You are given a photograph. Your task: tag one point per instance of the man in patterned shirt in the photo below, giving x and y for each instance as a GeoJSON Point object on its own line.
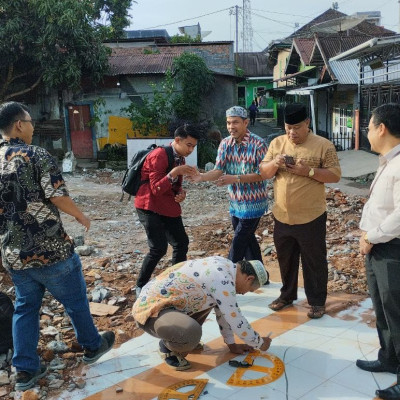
{"type": "Point", "coordinates": [237, 166]}
{"type": "Point", "coordinates": [35, 249]}
{"type": "Point", "coordinates": [174, 305]}
{"type": "Point", "coordinates": [301, 163]}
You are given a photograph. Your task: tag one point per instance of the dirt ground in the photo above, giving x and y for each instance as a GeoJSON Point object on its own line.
{"type": "Point", "coordinates": [118, 245]}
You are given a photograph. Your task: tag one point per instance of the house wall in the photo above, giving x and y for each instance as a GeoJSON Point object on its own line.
{"type": "Point", "coordinates": [222, 97]}
{"type": "Point", "coordinates": [114, 126]}
{"type": "Point", "coordinates": [279, 68]}
{"type": "Point", "coordinates": [251, 88]}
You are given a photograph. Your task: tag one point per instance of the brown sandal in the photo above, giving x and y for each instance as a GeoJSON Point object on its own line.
{"type": "Point", "coordinates": [316, 312]}
{"type": "Point", "coordinates": [279, 304]}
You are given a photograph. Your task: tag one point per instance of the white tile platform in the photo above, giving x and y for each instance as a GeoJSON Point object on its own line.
{"type": "Point", "coordinates": [319, 357]}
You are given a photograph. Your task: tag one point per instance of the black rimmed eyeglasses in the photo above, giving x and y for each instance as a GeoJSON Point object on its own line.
{"type": "Point", "coordinates": [32, 121]}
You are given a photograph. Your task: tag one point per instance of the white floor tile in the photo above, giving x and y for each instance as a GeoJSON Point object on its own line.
{"type": "Point", "coordinates": [296, 382]}
{"type": "Point", "coordinates": [332, 391]}
{"type": "Point", "coordinates": [362, 381]}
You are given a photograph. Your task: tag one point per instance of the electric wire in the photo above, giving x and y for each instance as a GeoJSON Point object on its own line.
{"type": "Point", "coordinates": [189, 19]}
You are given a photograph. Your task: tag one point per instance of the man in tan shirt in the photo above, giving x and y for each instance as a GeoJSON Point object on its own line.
{"type": "Point", "coordinates": [301, 163]}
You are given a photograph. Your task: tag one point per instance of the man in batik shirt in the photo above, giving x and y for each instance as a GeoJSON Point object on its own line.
{"type": "Point", "coordinates": [35, 249]}
{"type": "Point", "coordinates": [174, 305]}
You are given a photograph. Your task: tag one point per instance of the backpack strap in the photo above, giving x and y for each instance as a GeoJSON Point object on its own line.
{"type": "Point", "coordinates": [171, 158]}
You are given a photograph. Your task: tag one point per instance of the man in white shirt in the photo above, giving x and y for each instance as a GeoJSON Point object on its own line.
{"type": "Point", "coordinates": [380, 243]}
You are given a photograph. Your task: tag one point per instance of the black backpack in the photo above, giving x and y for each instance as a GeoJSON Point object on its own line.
{"type": "Point", "coordinates": [131, 181]}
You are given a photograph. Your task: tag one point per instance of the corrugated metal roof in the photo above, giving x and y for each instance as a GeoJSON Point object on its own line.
{"type": "Point", "coordinates": [133, 60]}
{"type": "Point", "coordinates": [346, 72]}
{"type": "Point", "coordinates": [254, 64]}
{"type": "Point", "coordinates": [141, 63]}
{"type": "Point", "coordinates": [310, 89]}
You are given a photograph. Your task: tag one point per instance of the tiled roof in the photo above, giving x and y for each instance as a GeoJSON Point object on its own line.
{"type": "Point", "coordinates": [304, 47]}
{"type": "Point", "coordinates": [331, 46]}
{"type": "Point", "coordinates": [364, 28]}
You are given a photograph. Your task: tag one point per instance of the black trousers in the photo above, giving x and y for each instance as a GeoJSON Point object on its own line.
{"type": "Point", "coordinates": [383, 275]}
{"type": "Point", "coordinates": [160, 231]}
{"type": "Point", "coordinates": [244, 244]}
{"type": "Point", "coordinates": [308, 242]}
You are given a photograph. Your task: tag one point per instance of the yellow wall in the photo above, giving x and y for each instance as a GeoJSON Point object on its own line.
{"type": "Point", "coordinates": [279, 68]}
{"type": "Point", "coordinates": [120, 127]}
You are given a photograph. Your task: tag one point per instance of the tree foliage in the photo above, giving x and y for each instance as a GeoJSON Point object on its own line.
{"type": "Point", "coordinates": [54, 42]}
{"type": "Point", "coordinates": [176, 39]}
{"type": "Point", "coordinates": [150, 112]}
{"type": "Point", "coordinates": [196, 81]}
{"type": "Point", "coordinates": [179, 97]}
{"type": "Point", "coordinates": [116, 15]}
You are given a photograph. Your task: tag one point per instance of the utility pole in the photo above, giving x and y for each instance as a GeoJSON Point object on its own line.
{"type": "Point", "coordinates": [247, 27]}
{"type": "Point", "coordinates": [235, 11]}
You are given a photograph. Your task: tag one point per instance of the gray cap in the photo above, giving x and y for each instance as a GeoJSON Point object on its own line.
{"type": "Point", "coordinates": [236, 111]}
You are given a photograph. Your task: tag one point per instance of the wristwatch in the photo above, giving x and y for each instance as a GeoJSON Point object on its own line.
{"type": "Point", "coordinates": [366, 239]}
{"type": "Point", "coordinates": [311, 172]}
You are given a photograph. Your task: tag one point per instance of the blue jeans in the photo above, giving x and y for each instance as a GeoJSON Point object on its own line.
{"type": "Point", "coordinates": [65, 281]}
{"type": "Point", "coordinates": [244, 244]}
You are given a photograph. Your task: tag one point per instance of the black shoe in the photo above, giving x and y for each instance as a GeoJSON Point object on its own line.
{"type": "Point", "coordinates": [174, 360]}
{"type": "Point", "coordinates": [391, 393]}
{"type": "Point", "coordinates": [24, 380]}
{"type": "Point", "coordinates": [107, 341]}
{"type": "Point", "coordinates": [375, 366]}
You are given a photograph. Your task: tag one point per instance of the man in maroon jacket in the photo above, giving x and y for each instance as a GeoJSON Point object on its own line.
{"type": "Point", "coordinates": [158, 202]}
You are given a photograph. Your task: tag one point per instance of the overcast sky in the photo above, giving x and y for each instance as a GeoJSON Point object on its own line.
{"type": "Point", "coordinates": [270, 20]}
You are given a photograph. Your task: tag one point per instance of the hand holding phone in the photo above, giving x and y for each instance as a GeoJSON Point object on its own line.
{"type": "Point", "coordinates": [289, 160]}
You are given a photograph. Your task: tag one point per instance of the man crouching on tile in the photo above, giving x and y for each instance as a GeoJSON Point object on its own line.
{"type": "Point", "coordinates": [174, 305]}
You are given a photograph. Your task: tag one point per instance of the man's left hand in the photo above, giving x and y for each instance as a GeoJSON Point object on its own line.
{"type": "Point", "coordinates": [300, 168]}
{"type": "Point", "coordinates": [180, 196]}
{"type": "Point", "coordinates": [239, 348]}
{"type": "Point", "coordinates": [365, 247]}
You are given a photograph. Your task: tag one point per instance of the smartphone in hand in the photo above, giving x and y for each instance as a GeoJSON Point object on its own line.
{"type": "Point", "coordinates": [289, 160]}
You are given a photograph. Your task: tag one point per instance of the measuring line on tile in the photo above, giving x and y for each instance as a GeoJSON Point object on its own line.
{"type": "Point", "coordinates": [271, 373]}
{"type": "Point", "coordinates": [172, 392]}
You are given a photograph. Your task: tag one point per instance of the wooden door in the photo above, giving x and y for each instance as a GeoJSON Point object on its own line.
{"type": "Point", "coordinates": [80, 131]}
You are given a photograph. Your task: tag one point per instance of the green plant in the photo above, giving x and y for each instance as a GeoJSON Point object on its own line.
{"type": "Point", "coordinates": [206, 152]}
{"type": "Point", "coordinates": [196, 81]}
{"type": "Point", "coordinates": [151, 51]}
{"type": "Point", "coordinates": [98, 110]}
{"type": "Point", "coordinates": [239, 71]}
{"type": "Point", "coordinates": [176, 39]}
{"type": "Point", "coordinates": [116, 152]}
{"type": "Point", "coordinates": [151, 112]}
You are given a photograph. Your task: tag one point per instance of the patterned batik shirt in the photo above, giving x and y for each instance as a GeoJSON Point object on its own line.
{"type": "Point", "coordinates": [31, 231]}
{"type": "Point", "coordinates": [194, 286]}
{"type": "Point", "coordinates": [247, 200]}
